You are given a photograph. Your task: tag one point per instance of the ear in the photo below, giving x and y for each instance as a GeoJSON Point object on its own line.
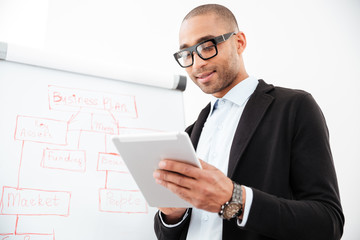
{"type": "Point", "coordinates": [240, 42]}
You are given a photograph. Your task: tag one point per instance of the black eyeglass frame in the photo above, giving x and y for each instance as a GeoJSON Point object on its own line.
{"type": "Point", "coordinates": [192, 49]}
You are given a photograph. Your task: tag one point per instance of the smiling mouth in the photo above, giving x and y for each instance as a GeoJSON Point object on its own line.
{"type": "Point", "coordinates": [205, 77]}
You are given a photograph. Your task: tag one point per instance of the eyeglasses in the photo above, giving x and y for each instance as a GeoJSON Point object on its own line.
{"type": "Point", "coordinates": [205, 50]}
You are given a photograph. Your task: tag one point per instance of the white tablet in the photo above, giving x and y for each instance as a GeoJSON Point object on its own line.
{"type": "Point", "coordinates": [142, 153]}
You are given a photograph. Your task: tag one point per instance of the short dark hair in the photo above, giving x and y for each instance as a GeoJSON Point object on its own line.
{"type": "Point", "coordinates": [217, 9]}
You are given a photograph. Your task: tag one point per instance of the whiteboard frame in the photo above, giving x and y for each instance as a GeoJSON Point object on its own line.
{"type": "Point", "coordinates": [91, 67]}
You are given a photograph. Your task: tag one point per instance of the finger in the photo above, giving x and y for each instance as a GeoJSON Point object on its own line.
{"type": "Point", "coordinates": [182, 192]}
{"type": "Point", "coordinates": [174, 178]}
{"type": "Point", "coordinates": [180, 167]}
{"type": "Point", "coordinates": [206, 165]}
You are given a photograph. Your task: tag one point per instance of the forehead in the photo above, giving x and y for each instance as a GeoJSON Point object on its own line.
{"type": "Point", "coordinates": [195, 28]}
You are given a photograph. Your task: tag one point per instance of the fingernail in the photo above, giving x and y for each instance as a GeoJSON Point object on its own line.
{"type": "Point", "coordinates": [156, 175]}
{"type": "Point", "coordinates": [162, 164]}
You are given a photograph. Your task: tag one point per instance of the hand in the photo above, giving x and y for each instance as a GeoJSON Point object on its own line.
{"type": "Point", "coordinates": [172, 215]}
{"type": "Point", "coordinates": [207, 188]}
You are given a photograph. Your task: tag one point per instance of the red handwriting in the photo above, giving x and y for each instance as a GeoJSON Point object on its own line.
{"type": "Point", "coordinates": [59, 98]}
{"type": "Point", "coordinates": [115, 104]}
{"type": "Point", "coordinates": [34, 202]}
{"type": "Point", "coordinates": [72, 160]}
{"type": "Point", "coordinates": [111, 162]}
{"type": "Point", "coordinates": [70, 99]}
{"type": "Point", "coordinates": [122, 201]}
{"type": "Point", "coordinates": [41, 130]}
{"type": "Point", "coordinates": [91, 112]}
{"type": "Point", "coordinates": [104, 124]}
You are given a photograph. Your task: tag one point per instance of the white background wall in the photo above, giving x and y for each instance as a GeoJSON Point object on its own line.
{"type": "Point", "coordinates": [311, 45]}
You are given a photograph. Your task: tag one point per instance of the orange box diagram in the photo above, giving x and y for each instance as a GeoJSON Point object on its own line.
{"type": "Point", "coordinates": [41, 130]}
{"type": "Point", "coordinates": [104, 124]}
{"type": "Point", "coordinates": [71, 160]}
{"type": "Point", "coordinates": [65, 165]}
{"type": "Point", "coordinates": [122, 201]}
{"type": "Point", "coordinates": [24, 201]}
{"type": "Point", "coordinates": [111, 162]}
{"type": "Point", "coordinates": [70, 99]}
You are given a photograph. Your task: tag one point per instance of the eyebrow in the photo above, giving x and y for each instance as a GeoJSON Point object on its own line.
{"type": "Point", "coordinates": [204, 38]}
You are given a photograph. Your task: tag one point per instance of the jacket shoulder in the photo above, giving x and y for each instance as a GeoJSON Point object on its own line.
{"type": "Point", "coordinates": [283, 96]}
{"type": "Point", "coordinates": [277, 91]}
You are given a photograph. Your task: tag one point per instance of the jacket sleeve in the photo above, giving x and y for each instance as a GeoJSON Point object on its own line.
{"type": "Point", "coordinates": [175, 233]}
{"type": "Point", "coordinates": [315, 210]}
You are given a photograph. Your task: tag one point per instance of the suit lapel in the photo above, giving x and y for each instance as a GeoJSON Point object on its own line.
{"type": "Point", "coordinates": [199, 124]}
{"type": "Point", "coordinates": [250, 119]}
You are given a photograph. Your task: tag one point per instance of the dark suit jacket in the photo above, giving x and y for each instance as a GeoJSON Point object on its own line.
{"type": "Point", "coordinates": [281, 150]}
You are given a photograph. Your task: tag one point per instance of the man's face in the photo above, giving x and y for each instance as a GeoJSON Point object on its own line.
{"type": "Point", "coordinates": [219, 74]}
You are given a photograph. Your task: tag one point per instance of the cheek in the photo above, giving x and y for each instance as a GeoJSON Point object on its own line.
{"type": "Point", "coordinates": [229, 69]}
{"type": "Point", "coordinates": [189, 72]}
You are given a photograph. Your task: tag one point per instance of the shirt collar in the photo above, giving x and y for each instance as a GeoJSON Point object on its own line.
{"type": "Point", "coordinates": [239, 94]}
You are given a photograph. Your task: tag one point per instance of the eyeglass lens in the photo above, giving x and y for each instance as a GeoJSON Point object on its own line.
{"type": "Point", "coordinates": [205, 50]}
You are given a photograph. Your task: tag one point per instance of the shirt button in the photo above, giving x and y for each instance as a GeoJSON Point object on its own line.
{"type": "Point", "coordinates": [220, 127]}
{"type": "Point", "coordinates": [222, 101]}
{"type": "Point", "coordinates": [205, 218]}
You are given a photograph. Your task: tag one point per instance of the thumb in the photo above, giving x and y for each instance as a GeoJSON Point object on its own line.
{"type": "Point", "coordinates": [206, 165]}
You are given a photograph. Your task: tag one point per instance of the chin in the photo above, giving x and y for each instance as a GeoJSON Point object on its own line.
{"type": "Point", "coordinates": [208, 90]}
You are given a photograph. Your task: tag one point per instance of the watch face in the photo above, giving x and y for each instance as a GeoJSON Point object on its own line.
{"type": "Point", "coordinates": [231, 210]}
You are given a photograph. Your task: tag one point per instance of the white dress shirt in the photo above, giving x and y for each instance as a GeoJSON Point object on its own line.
{"type": "Point", "coordinates": [214, 148]}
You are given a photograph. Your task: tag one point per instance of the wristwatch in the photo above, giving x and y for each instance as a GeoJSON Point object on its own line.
{"type": "Point", "coordinates": [234, 207]}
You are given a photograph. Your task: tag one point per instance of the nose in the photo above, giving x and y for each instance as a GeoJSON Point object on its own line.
{"type": "Point", "coordinates": [198, 61]}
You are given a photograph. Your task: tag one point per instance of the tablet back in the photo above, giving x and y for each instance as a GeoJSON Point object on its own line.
{"type": "Point", "coordinates": [142, 153]}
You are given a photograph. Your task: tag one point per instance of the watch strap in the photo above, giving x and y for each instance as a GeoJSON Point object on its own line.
{"type": "Point", "coordinates": [237, 193]}
{"type": "Point", "coordinates": [235, 198]}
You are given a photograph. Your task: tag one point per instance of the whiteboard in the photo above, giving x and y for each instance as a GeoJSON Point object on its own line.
{"type": "Point", "coordinates": [60, 176]}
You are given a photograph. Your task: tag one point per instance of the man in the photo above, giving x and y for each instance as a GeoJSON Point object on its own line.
{"type": "Point", "coordinates": [267, 166]}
